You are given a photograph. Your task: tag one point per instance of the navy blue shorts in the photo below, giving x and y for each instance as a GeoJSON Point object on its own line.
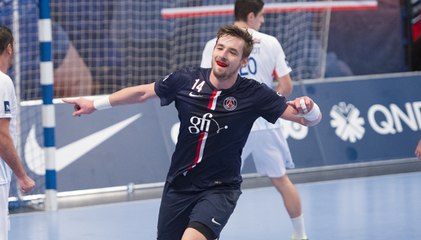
{"type": "Point", "coordinates": [183, 203]}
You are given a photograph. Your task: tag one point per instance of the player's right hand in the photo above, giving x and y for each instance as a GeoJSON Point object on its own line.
{"type": "Point", "coordinates": [81, 106]}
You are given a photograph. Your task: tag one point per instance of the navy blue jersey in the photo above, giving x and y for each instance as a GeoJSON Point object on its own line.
{"type": "Point", "coordinates": [214, 124]}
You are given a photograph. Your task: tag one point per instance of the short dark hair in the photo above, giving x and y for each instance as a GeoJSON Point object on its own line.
{"type": "Point", "coordinates": [6, 37]}
{"type": "Point", "coordinates": [243, 7]}
{"type": "Point", "coordinates": [232, 30]}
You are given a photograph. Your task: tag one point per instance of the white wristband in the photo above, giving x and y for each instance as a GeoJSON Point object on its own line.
{"type": "Point", "coordinates": [313, 114]}
{"type": "Point", "coordinates": [102, 103]}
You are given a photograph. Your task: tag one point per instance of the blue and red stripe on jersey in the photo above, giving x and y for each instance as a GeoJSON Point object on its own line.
{"type": "Point", "coordinates": [204, 135]}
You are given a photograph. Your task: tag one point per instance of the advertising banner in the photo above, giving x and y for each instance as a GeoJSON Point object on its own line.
{"type": "Point", "coordinates": [364, 120]}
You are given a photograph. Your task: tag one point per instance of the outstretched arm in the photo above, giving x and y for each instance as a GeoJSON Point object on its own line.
{"type": "Point", "coordinates": [129, 95]}
{"type": "Point", "coordinates": [303, 110]}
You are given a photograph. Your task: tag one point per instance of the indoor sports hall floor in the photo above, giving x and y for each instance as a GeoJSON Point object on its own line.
{"type": "Point", "coordinates": [386, 207]}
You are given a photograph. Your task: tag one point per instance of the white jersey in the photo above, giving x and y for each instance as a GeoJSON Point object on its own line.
{"type": "Point", "coordinates": [265, 62]}
{"type": "Point", "coordinates": [8, 108]}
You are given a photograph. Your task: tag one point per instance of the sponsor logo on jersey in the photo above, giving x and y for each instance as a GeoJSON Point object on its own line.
{"type": "Point", "coordinates": [215, 222]}
{"type": "Point", "coordinates": [203, 124]}
{"type": "Point", "coordinates": [7, 107]}
{"type": "Point", "coordinates": [191, 94]}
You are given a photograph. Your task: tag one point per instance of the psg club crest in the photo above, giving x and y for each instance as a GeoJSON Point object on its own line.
{"type": "Point", "coordinates": [230, 103]}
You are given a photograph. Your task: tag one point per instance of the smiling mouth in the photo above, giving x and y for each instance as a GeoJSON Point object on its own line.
{"type": "Point", "coordinates": [221, 64]}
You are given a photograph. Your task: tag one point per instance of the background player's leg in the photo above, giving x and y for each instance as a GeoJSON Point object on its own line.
{"type": "Point", "coordinates": [292, 204]}
{"type": "Point", "coordinates": [289, 194]}
{"type": "Point", "coordinates": [4, 212]}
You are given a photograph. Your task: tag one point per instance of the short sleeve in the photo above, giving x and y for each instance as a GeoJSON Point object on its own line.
{"type": "Point", "coordinates": [168, 87]}
{"type": "Point", "coordinates": [282, 67]}
{"type": "Point", "coordinates": [6, 98]}
{"type": "Point", "coordinates": [270, 105]}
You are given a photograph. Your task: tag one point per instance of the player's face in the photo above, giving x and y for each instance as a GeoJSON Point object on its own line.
{"type": "Point", "coordinates": [227, 57]}
{"type": "Point", "coordinates": [256, 21]}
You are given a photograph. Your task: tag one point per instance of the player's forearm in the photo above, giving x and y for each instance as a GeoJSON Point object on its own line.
{"type": "Point", "coordinates": [284, 85]}
{"type": "Point", "coordinates": [130, 95]}
{"type": "Point", "coordinates": [284, 90]}
{"type": "Point", "coordinates": [9, 155]}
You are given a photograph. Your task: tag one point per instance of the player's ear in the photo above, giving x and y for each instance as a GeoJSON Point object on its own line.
{"type": "Point", "coordinates": [250, 16]}
{"type": "Point", "coordinates": [244, 62]}
{"type": "Point", "coordinates": [10, 48]}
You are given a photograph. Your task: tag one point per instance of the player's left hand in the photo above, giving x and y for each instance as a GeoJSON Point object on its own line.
{"type": "Point", "coordinates": [302, 105]}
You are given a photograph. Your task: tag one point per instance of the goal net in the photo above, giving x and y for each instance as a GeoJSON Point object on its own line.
{"type": "Point", "coordinates": [124, 43]}
{"type": "Point", "coordinates": [102, 46]}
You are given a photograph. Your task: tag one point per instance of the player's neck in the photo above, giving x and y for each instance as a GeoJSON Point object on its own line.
{"type": "Point", "coordinates": [242, 24]}
{"type": "Point", "coordinates": [3, 66]}
{"type": "Point", "coordinates": [222, 83]}
{"type": "Point", "coordinates": [5, 62]}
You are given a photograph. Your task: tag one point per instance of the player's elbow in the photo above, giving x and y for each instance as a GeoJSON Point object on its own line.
{"type": "Point", "coordinates": [284, 89]}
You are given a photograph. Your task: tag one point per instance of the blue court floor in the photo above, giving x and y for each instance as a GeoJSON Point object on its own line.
{"type": "Point", "coordinates": [384, 207]}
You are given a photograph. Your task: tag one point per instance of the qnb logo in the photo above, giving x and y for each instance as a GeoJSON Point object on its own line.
{"type": "Point", "coordinates": [203, 124]}
{"type": "Point", "coordinates": [347, 121]}
{"type": "Point", "coordinates": [394, 119]}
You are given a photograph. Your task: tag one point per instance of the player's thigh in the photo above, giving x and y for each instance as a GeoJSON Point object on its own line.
{"type": "Point", "coordinates": [215, 208]}
{"type": "Point", "coordinates": [174, 213]}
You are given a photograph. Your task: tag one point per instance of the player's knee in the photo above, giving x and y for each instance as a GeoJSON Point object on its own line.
{"type": "Point", "coordinates": [281, 181]}
{"type": "Point", "coordinates": [203, 229]}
